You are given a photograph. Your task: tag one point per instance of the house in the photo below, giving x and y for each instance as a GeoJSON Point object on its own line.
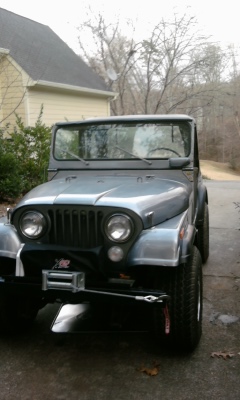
{"type": "Point", "coordinates": [37, 67]}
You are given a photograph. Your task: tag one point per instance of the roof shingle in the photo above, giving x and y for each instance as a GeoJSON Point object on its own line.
{"type": "Point", "coordinates": [43, 55]}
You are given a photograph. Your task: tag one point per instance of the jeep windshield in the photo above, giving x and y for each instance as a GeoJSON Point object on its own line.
{"type": "Point", "coordinates": [125, 140]}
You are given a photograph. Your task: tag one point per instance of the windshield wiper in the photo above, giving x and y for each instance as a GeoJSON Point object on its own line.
{"type": "Point", "coordinates": [75, 156]}
{"type": "Point", "coordinates": [134, 155]}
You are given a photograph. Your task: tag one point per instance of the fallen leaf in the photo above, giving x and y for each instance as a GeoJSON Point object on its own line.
{"type": "Point", "coordinates": [222, 354]}
{"type": "Point", "coordinates": [150, 371]}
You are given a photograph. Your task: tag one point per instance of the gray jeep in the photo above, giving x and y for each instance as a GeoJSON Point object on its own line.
{"type": "Point", "coordinates": [122, 222]}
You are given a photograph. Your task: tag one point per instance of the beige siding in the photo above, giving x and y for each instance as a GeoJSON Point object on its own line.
{"type": "Point", "coordinates": [60, 105]}
{"type": "Point", "coordinates": [11, 92]}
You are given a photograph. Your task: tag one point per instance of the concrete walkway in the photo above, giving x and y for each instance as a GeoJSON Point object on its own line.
{"type": "Point", "coordinates": [222, 271]}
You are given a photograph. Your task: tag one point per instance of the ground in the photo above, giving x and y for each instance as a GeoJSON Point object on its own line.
{"type": "Point", "coordinates": [218, 171]}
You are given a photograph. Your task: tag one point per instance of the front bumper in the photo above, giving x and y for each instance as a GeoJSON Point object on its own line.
{"type": "Point", "coordinates": [75, 282]}
{"type": "Point", "coordinates": [70, 287]}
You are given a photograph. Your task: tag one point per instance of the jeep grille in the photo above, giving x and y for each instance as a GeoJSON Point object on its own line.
{"type": "Point", "coordinates": [76, 227]}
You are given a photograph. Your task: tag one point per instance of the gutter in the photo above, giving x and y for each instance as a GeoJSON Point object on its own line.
{"type": "Point", "coordinates": [64, 86]}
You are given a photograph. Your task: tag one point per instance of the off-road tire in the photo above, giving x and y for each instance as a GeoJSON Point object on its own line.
{"type": "Point", "coordinates": [203, 235]}
{"type": "Point", "coordinates": [184, 285]}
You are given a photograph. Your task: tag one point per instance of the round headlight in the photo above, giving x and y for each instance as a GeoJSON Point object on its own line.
{"type": "Point", "coordinates": [119, 228]}
{"type": "Point", "coordinates": [33, 224]}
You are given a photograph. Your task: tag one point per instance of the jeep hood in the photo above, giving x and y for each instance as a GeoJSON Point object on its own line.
{"type": "Point", "coordinates": [163, 198]}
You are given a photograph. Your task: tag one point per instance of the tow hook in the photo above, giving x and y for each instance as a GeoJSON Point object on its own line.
{"type": "Point", "coordinates": [160, 299]}
{"type": "Point", "coordinates": [167, 319]}
{"type": "Point", "coordinates": [153, 299]}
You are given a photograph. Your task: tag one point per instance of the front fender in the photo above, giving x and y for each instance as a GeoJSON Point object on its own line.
{"type": "Point", "coordinates": [162, 245]}
{"type": "Point", "coordinates": [10, 242]}
{"type": "Point", "coordinates": [202, 199]}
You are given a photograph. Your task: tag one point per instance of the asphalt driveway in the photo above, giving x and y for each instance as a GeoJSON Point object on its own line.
{"type": "Point", "coordinates": [93, 366]}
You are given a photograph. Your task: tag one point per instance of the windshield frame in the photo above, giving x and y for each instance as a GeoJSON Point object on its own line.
{"type": "Point", "coordinates": [156, 128]}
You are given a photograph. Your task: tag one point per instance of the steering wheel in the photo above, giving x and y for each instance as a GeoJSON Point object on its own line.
{"type": "Point", "coordinates": [163, 148]}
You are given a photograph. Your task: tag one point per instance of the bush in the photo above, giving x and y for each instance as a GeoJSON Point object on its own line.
{"type": "Point", "coordinates": [10, 182]}
{"type": "Point", "coordinates": [24, 157]}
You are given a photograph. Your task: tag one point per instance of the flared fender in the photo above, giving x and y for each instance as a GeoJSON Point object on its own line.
{"type": "Point", "coordinates": [162, 245]}
{"type": "Point", "coordinates": [10, 242]}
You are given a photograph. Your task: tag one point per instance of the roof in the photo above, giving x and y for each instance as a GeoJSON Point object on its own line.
{"type": "Point", "coordinates": [43, 55]}
{"type": "Point", "coordinates": [131, 118]}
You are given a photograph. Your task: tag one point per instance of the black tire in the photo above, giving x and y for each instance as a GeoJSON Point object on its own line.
{"type": "Point", "coordinates": [184, 285]}
{"type": "Point", "coordinates": [203, 235]}
{"type": "Point", "coordinates": [17, 314]}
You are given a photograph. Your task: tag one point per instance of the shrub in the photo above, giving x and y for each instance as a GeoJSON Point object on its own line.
{"type": "Point", "coordinates": [10, 182]}
{"type": "Point", "coordinates": [23, 157]}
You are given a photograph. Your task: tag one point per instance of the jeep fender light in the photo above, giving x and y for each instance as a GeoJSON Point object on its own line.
{"type": "Point", "coordinates": [182, 233]}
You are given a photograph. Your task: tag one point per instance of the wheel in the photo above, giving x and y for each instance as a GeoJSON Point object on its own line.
{"type": "Point", "coordinates": [17, 314]}
{"type": "Point", "coordinates": [163, 148]}
{"type": "Point", "coordinates": [184, 285]}
{"type": "Point", "coordinates": [203, 235]}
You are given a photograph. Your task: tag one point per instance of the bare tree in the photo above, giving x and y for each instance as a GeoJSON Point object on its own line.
{"type": "Point", "coordinates": [175, 69]}
{"type": "Point", "coordinates": [163, 73]}
{"type": "Point", "coordinates": [176, 59]}
{"type": "Point", "coordinates": [219, 132]}
{"type": "Point", "coordinates": [113, 57]}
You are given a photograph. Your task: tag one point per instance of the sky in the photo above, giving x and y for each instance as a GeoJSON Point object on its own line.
{"type": "Point", "coordinates": [220, 20]}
